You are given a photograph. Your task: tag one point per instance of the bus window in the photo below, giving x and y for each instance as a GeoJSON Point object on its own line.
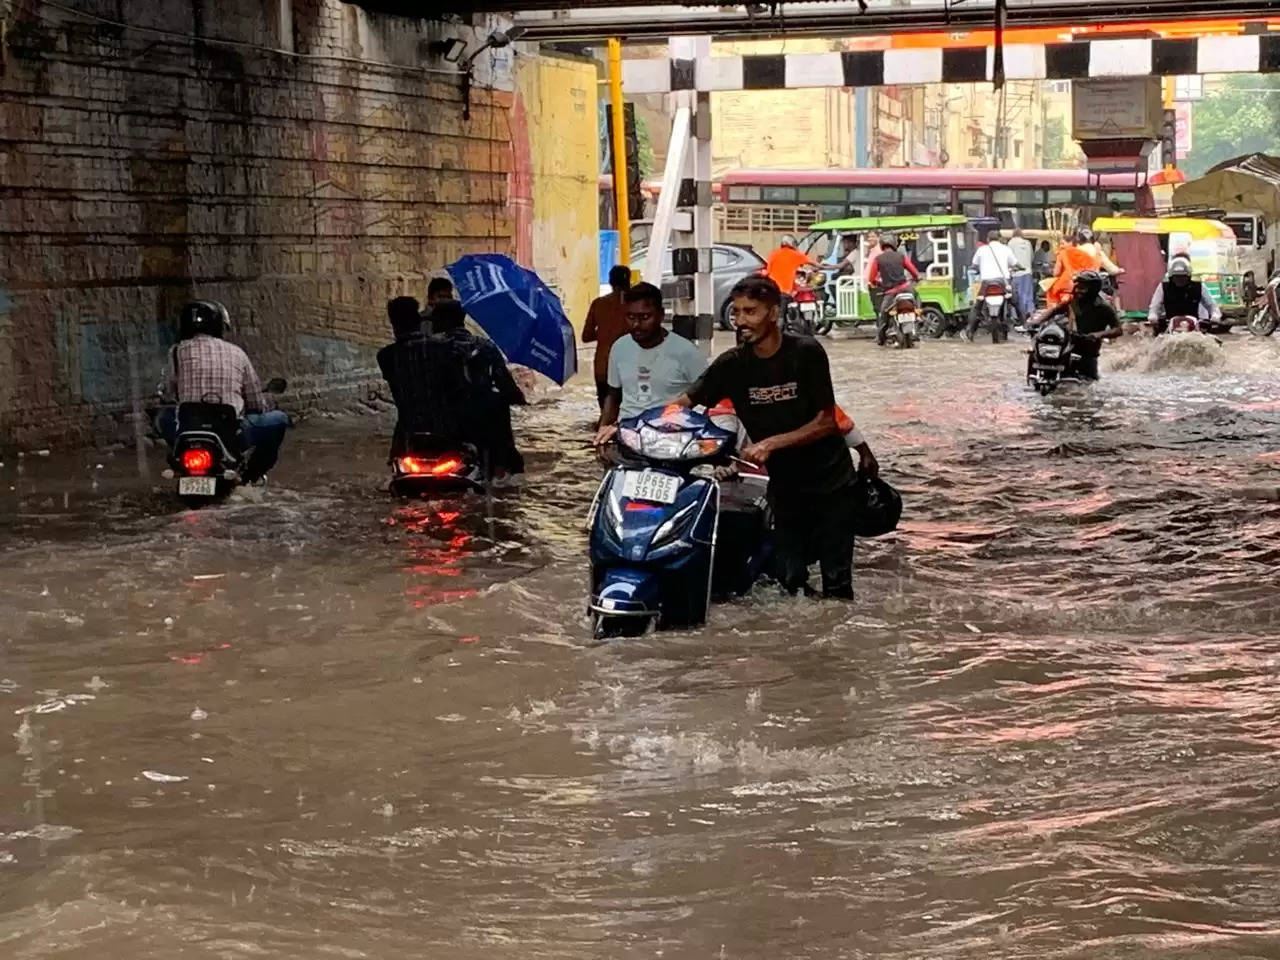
{"type": "Point", "coordinates": [744, 193]}
{"type": "Point", "coordinates": [873, 194]}
{"type": "Point", "coordinates": [925, 195]}
{"type": "Point", "coordinates": [1017, 198]}
{"type": "Point", "coordinates": [1118, 201]}
{"type": "Point", "coordinates": [971, 203]}
{"type": "Point", "coordinates": [778, 194]}
{"type": "Point", "coordinates": [1061, 198]}
{"type": "Point", "coordinates": [823, 195]}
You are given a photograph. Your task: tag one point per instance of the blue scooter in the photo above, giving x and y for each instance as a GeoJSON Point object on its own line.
{"type": "Point", "coordinates": [663, 538]}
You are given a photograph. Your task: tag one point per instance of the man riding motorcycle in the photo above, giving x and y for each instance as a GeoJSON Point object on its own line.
{"type": "Point", "coordinates": [450, 385]}
{"type": "Point", "coordinates": [887, 278]}
{"type": "Point", "coordinates": [1091, 320]}
{"type": "Point", "coordinates": [204, 368]}
{"type": "Point", "coordinates": [783, 263]}
{"type": "Point", "coordinates": [1181, 296]}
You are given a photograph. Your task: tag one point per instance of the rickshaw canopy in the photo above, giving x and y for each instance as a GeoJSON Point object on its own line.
{"type": "Point", "coordinates": [1196, 227]}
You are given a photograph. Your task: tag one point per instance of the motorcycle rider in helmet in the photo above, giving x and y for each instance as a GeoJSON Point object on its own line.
{"type": "Point", "coordinates": [1180, 296]}
{"type": "Point", "coordinates": [783, 263]}
{"type": "Point", "coordinates": [888, 277]}
{"type": "Point", "coordinates": [1090, 318]}
{"type": "Point", "coordinates": [204, 368]}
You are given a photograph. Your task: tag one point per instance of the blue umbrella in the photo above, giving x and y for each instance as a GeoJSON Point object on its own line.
{"type": "Point", "coordinates": [518, 312]}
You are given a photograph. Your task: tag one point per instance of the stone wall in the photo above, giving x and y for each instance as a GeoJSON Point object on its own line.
{"type": "Point", "coordinates": [300, 160]}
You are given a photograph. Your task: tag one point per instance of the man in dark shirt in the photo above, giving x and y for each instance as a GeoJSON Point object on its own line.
{"type": "Point", "coordinates": [780, 386]}
{"type": "Point", "coordinates": [483, 401]}
{"type": "Point", "coordinates": [1091, 320]}
{"type": "Point", "coordinates": [401, 366]}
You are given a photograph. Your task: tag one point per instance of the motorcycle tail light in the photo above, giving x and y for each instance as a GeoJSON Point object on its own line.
{"type": "Point", "coordinates": [197, 461]}
{"type": "Point", "coordinates": [419, 466]}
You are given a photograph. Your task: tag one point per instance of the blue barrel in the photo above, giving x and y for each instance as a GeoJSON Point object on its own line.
{"type": "Point", "coordinates": [610, 246]}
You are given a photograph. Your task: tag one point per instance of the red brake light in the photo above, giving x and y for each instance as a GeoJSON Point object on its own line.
{"type": "Point", "coordinates": [416, 465]}
{"type": "Point", "coordinates": [197, 460]}
{"type": "Point", "coordinates": [993, 290]}
{"type": "Point", "coordinates": [412, 465]}
{"type": "Point", "coordinates": [446, 466]}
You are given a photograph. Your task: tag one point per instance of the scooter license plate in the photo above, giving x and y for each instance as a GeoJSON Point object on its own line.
{"type": "Point", "coordinates": [651, 485]}
{"type": "Point", "coordinates": [808, 309]}
{"type": "Point", "coordinates": [197, 486]}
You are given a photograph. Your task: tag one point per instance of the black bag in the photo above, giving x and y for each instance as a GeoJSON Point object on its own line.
{"type": "Point", "coordinates": [877, 507]}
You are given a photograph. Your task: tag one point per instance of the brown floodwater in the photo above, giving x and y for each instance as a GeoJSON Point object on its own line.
{"type": "Point", "coordinates": [327, 724]}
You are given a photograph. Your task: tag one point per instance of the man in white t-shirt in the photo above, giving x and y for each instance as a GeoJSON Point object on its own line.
{"type": "Point", "coordinates": [994, 263]}
{"type": "Point", "coordinates": [649, 368]}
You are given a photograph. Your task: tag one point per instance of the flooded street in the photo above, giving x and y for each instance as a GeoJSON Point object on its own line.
{"type": "Point", "coordinates": [332, 725]}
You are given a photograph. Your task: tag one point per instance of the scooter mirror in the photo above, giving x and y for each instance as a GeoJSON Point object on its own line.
{"type": "Point", "coordinates": [277, 385]}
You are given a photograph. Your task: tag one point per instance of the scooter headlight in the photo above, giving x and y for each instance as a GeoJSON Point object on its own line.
{"type": "Point", "coordinates": [673, 524]}
{"type": "Point", "coordinates": [1050, 351]}
{"type": "Point", "coordinates": [613, 513]}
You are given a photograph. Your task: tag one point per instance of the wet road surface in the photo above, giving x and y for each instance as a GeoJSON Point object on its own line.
{"type": "Point", "coordinates": [326, 724]}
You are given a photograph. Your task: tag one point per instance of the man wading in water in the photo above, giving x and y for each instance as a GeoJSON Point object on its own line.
{"type": "Point", "coordinates": [780, 386]}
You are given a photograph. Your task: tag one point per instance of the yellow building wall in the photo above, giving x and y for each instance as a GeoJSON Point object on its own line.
{"type": "Point", "coordinates": [559, 98]}
{"type": "Point", "coordinates": [782, 129]}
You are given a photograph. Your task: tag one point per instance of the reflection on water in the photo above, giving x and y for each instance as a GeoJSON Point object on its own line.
{"type": "Point", "coordinates": [328, 724]}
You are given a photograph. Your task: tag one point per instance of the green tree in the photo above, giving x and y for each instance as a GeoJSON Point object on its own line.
{"type": "Point", "coordinates": [1055, 142]}
{"type": "Point", "coordinates": [645, 144]}
{"type": "Point", "coordinates": [1242, 117]}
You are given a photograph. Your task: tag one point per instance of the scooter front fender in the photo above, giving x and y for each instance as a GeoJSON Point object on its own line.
{"type": "Point", "coordinates": [628, 592]}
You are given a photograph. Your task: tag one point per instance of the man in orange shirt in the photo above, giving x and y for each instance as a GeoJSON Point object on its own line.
{"type": "Point", "coordinates": [606, 323]}
{"type": "Point", "coordinates": [783, 263]}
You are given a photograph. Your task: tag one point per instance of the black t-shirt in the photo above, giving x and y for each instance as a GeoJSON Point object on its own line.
{"type": "Point", "coordinates": [1092, 318]}
{"type": "Point", "coordinates": [778, 394]}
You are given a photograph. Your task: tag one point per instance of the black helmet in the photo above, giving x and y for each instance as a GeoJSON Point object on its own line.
{"type": "Point", "coordinates": [877, 507]}
{"type": "Point", "coordinates": [889, 240]}
{"type": "Point", "coordinates": [1088, 281]}
{"type": "Point", "coordinates": [1179, 268]}
{"type": "Point", "coordinates": [1084, 235]}
{"type": "Point", "coordinates": [203, 316]}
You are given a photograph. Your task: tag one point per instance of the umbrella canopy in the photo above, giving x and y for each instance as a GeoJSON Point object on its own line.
{"type": "Point", "coordinates": [518, 312]}
{"type": "Point", "coordinates": [1250, 183]}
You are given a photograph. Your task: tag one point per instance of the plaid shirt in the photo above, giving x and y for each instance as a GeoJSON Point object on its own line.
{"type": "Point", "coordinates": [212, 371]}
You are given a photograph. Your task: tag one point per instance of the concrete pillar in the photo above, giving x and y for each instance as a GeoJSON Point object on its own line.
{"type": "Point", "coordinates": [693, 314]}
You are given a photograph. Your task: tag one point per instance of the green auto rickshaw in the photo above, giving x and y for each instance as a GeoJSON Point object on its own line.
{"type": "Point", "coordinates": [940, 245]}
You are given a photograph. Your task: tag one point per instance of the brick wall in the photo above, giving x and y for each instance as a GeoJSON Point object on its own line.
{"type": "Point", "coordinates": [302, 176]}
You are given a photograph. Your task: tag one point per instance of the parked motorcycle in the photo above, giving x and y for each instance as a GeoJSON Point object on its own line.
{"type": "Point", "coordinates": [432, 467]}
{"type": "Point", "coordinates": [1264, 312]}
{"type": "Point", "coordinates": [902, 321]}
{"type": "Point", "coordinates": [996, 308]}
{"type": "Point", "coordinates": [209, 455]}
{"type": "Point", "coordinates": [657, 520]}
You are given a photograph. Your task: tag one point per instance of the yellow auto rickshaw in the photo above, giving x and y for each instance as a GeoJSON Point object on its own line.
{"type": "Point", "coordinates": [1145, 246]}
